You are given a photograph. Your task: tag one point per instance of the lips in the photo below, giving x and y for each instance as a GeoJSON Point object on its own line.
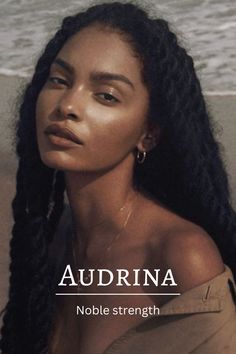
{"type": "Point", "coordinates": [62, 132]}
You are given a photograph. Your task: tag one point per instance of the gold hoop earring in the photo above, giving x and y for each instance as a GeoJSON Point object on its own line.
{"type": "Point", "coordinates": [141, 158]}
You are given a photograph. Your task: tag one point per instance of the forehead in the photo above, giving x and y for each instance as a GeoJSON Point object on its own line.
{"type": "Point", "coordinates": [96, 47]}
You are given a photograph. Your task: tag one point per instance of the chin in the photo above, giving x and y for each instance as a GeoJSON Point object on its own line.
{"type": "Point", "coordinates": [57, 160]}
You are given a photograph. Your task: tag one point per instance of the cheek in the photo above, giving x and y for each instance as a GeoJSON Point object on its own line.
{"type": "Point", "coordinates": [43, 103]}
{"type": "Point", "coordinates": [40, 108]}
{"type": "Point", "coordinates": [42, 112]}
{"type": "Point", "coordinates": [117, 132]}
{"type": "Point", "coordinates": [44, 106]}
{"type": "Point", "coordinates": [39, 115]}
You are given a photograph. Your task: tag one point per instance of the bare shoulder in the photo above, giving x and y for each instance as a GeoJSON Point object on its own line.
{"type": "Point", "coordinates": [192, 256]}
{"type": "Point", "coordinates": [185, 248]}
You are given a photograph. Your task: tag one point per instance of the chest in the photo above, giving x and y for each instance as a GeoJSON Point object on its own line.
{"type": "Point", "coordinates": [90, 321]}
{"type": "Point", "coordinates": [89, 324]}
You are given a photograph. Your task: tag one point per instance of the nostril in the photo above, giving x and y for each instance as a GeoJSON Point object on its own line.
{"type": "Point", "coordinates": [66, 112]}
{"type": "Point", "coordinates": [72, 115]}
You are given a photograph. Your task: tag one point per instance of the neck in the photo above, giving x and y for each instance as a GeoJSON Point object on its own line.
{"type": "Point", "coordinates": [95, 200]}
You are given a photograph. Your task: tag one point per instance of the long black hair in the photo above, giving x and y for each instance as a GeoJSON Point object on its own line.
{"type": "Point", "coordinates": [184, 171]}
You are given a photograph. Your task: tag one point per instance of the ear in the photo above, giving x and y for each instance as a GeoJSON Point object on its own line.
{"type": "Point", "coordinates": [150, 137]}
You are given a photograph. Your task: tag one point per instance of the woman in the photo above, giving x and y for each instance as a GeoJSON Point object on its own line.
{"type": "Point", "coordinates": [115, 116]}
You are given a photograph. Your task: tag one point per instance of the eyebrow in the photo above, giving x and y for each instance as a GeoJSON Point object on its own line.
{"type": "Point", "coordinates": [64, 65]}
{"type": "Point", "coordinates": [96, 76]}
{"type": "Point", "coordinates": [106, 76]}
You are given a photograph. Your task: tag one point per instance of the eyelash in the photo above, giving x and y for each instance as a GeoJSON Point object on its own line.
{"type": "Point", "coordinates": [60, 81]}
{"type": "Point", "coordinates": [57, 80]}
{"type": "Point", "coordinates": [114, 99]}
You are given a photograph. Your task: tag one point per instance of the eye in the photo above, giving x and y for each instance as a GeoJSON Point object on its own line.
{"type": "Point", "coordinates": [107, 97]}
{"type": "Point", "coordinates": [57, 80]}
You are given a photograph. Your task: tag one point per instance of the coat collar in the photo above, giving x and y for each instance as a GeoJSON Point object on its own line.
{"type": "Point", "coordinates": [207, 297]}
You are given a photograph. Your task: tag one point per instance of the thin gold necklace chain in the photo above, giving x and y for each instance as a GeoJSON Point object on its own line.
{"type": "Point", "coordinates": [107, 219]}
{"type": "Point", "coordinates": [109, 247]}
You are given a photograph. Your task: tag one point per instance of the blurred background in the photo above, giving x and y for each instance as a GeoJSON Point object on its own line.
{"type": "Point", "coordinates": [207, 29]}
{"type": "Point", "coordinates": [207, 26]}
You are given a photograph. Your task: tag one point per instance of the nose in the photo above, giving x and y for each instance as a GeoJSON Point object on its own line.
{"type": "Point", "coordinates": [70, 104]}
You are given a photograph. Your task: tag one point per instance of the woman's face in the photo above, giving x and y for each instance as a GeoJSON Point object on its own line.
{"type": "Point", "coordinates": [94, 91]}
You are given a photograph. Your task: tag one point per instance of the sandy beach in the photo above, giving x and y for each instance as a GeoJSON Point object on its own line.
{"type": "Point", "coordinates": [222, 107]}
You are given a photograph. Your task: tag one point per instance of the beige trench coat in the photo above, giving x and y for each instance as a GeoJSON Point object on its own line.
{"type": "Point", "coordinates": [200, 321]}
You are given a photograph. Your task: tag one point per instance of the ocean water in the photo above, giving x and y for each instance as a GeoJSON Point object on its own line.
{"type": "Point", "coordinates": [207, 29]}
